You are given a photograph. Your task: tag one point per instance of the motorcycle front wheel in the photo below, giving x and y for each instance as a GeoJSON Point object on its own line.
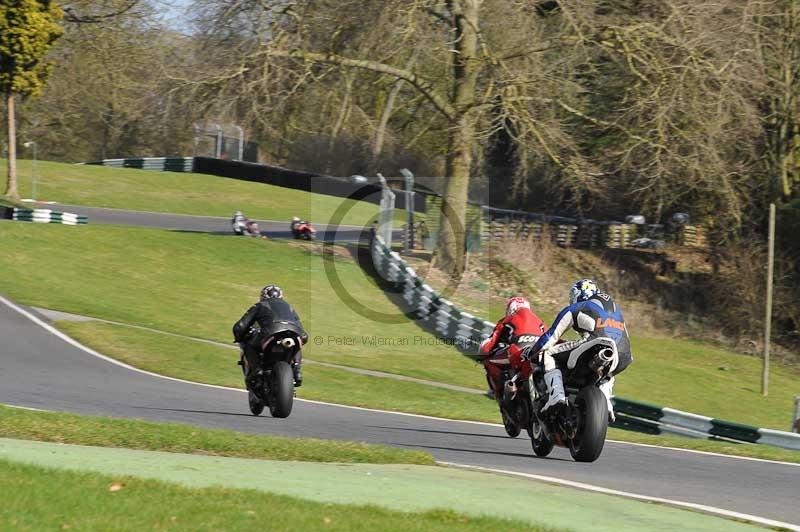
{"type": "Point", "coordinates": [541, 444]}
{"type": "Point", "coordinates": [281, 390]}
{"type": "Point", "coordinates": [512, 427]}
{"type": "Point", "coordinates": [592, 414]}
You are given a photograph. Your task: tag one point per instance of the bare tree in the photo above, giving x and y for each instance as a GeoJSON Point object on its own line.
{"type": "Point", "coordinates": [475, 56]}
{"type": "Point", "coordinates": [778, 46]}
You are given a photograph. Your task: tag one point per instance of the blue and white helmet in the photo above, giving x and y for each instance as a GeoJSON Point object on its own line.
{"type": "Point", "coordinates": [582, 290]}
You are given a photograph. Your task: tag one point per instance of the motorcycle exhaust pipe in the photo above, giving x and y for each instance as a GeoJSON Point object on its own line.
{"type": "Point", "coordinates": [287, 343]}
{"type": "Point", "coordinates": [603, 358]}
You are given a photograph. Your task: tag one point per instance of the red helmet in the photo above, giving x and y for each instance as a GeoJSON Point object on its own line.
{"type": "Point", "coordinates": [515, 303]}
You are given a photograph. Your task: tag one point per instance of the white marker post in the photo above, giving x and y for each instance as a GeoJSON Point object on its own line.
{"type": "Point", "coordinates": [768, 318]}
{"type": "Point", "coordinates": [32, 144]}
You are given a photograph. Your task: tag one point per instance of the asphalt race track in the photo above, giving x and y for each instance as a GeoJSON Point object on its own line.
{"type": "Point", "coordinates": [201, 224]}
{"type": "Point", "coordinates": [38, 369]}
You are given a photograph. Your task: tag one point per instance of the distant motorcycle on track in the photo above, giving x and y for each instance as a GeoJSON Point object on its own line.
{"type": "Point", "coordinates": [303, 230]}
{"type": "Point", "coordinates": [244, 227]}
{"type": "Point", "coordinates": [582, 424]}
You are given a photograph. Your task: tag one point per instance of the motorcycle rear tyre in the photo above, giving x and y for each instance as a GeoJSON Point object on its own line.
{"type": "Point", "coordinates": [281, 391]}
{"type": "Point", "coordinates": [588, 443]}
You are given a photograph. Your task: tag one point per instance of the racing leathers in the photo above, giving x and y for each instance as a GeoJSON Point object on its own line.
{"type": "Point", "coordinates": [239, 223]}
{"type": "Point", "coordinates": [596, 317]}
{"type": "Point", "coordinates": [295, 226]}
{"type": "Point", "coordinates": [257, 325]}
{"type": "Point", "coordinates": [521, 328]}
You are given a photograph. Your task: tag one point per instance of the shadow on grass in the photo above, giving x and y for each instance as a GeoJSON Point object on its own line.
{"type": "Point", "coordinates": [216, 413]}
{"type": "Point", "coordinates": [324, 236]}
{"type": "Point", "coordinates": [450, 432]}
{"type": "Point", "coordinates": [530, 456]}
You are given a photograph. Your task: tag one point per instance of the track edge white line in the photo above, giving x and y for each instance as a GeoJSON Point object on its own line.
{"type": "Point", "coordinates": [116, 362]}
{"type": "Point", "coordinates": [711, 510]}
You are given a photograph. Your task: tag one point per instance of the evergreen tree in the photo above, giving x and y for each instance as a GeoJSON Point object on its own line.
{"type": "Point", "coordinates": [28, 28]}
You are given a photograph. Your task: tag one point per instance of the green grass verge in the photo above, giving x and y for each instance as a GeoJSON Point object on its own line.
{"type": "Point", "coordinates": [189, 284]}
{"type": "Point", "coordinates": [178, 438]}
{"type": "Point", "coordinates": [7, 203]}
{"type": "Point", "coordinates": [97, 275]}
{"type": "Point", "coordinates": [184, 193]}
{"type": "Point", "coordinates": [46, 499]}
{"type": "Point", "coordinates": [191, 360]}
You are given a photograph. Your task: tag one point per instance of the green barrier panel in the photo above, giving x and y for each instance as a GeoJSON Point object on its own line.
{"type": "Point", "coordinates": [133, 163]}
{"type": "Point", "coordinates": [735, 431]}
{"type": "Point", "coordinates": [636, 425]}
{"type": "Point", "coordinates": [635, 408]}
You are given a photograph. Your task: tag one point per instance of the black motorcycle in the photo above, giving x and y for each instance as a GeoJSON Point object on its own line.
{"type": "Point", "coordinates": [582, 424]}
{"type": "Point", "coordinates": [275, 388]}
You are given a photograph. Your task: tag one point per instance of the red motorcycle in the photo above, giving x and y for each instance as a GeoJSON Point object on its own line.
{"type": "Point", "coordinates": [303, 230]}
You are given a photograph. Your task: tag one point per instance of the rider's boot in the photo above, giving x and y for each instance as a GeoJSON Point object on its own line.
{"type": "Point", "coordinates": [555, 390]}
{"type": "Point", "coordinates": [298, 375]}
{"type": "Point", "coordinates": [607, 388]}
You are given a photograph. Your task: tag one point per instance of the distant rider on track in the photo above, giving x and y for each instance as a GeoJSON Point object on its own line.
{"type": "Point", "coordinates": [253, 328]}
{"type": "Point", "coordinates": [592, 314]}
{"type": "Point", "coordinates": [503, 349]}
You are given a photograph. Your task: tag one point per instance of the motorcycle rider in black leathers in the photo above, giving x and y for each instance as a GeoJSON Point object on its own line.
{"type": "Point", "coordinates": [249, 332]}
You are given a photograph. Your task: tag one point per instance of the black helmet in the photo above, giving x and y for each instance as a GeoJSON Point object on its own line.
{"type": "Point", "coordinates": [271, 291]}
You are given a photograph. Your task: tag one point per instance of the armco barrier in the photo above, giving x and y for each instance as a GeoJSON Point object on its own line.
{"type": "Point", "coordinates": [677, 421]}
{"type": "Point", "coordinates": [263, 173]}
{"type": "Point", "coordinates": [163, 164]}
{"type": "Point", "coordinates": [467, 330]}
{"type": "Point", "coordinates": [461, 328]}
{"type": "Point", "coordinates": [47, 216]}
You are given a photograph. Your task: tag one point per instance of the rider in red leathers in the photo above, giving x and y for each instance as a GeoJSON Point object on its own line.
{"type": "Point", "coordinates": [520, 327]}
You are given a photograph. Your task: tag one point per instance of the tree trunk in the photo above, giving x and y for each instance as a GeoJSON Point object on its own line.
{"type": "Point", "coordinates": [451, 246]}
{"type": "Point", "coordinates": [791, 163]}
{"type": "Point", "coordinates": [786, 135]}
{"type": "Point", "coordinates": [12, 189]}
{"type": "Point", "coordinates": [451, 249]}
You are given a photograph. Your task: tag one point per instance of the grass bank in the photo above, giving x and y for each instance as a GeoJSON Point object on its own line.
{"type": "Point", "coordinates": [38, 498]}
{"type": "Point", "coordinates": [190, 284]}
{"type": "Point", "coordinates": [90, 270]}
{"type": "Point", "coordinates": [178, 438]}
{"type": "Point", "coordinates": [183, 193]}
{"type": "Point", "coordinates": [411, 489]}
